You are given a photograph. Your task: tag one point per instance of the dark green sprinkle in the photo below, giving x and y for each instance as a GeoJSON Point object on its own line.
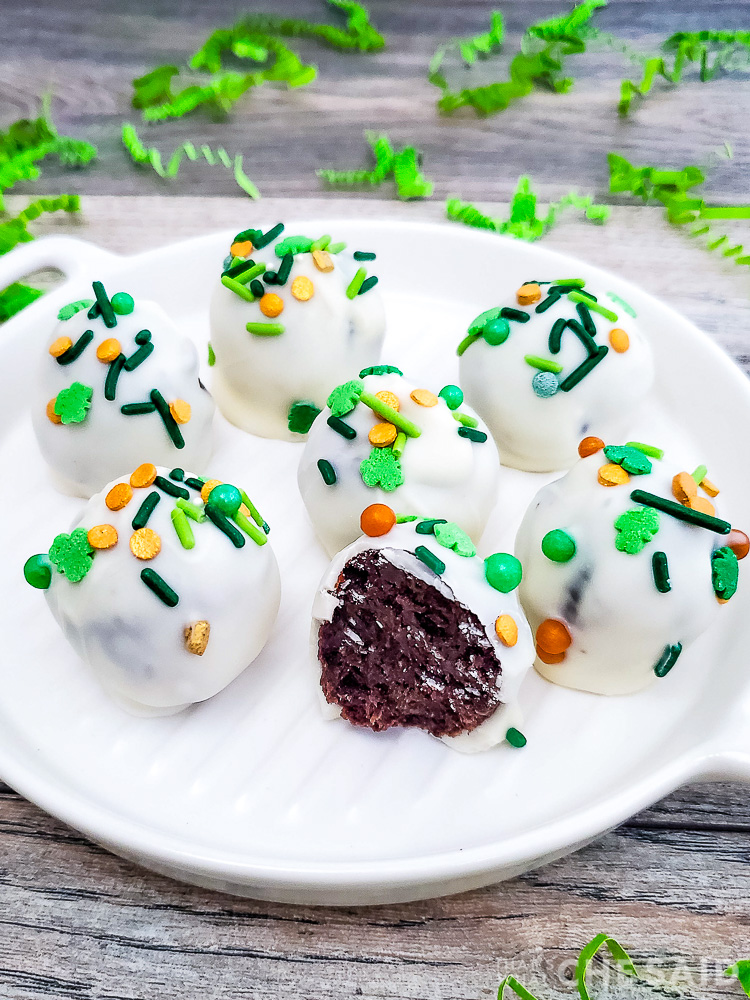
{"type": "Point", "coordinates": [367, 284]}
{"type": "Point", "coordinates": [248, 234]}
{"type": "Point", "coordinates": [195, 484]}
{"type": "Point", "coordinates": [363, 255]}
{"type": "Point", "coordinates": [162, 590]}
{"type": "Point", "coordinates": [270, 277]}
{"type": "Point", "coordinates": [515, 314]}
{"type": "Point", "coordinates": [224, 524]}
{"type": "Point", "coordinates": [327, 471]}
{"type": "Point", "coordinates": [552, 297]}
{"type": "Point", "coordinates": [134, 409]}
{"type": "Point", "coordinates": [341, 427]}
{"type": "Point", "coordinates": [105, 306]}
{"type": "Point", "coordinates": [473, 435]}
{"type": "Point", "coordinates": [583, 370]}
{"type": "Point", "coordinates": [170, 488]}
{"type": "Point", "coordinates": [265, 238]}
{"type": "Point", "coordinates": [660, 570]}
{"type": "Point", "coordinates": [586, 339]}
{"type": "Point", "coordinates": [430, 560]}
{"type": "Point", "coordinates": [516, 738]}
{"type": "Point", "coordinates": [285, 268]}
{"type": "Point", "coordinates": [171, 425]}
{"type": "Point", "coordinates": [113, 373]}
{"type": "Point", "coordinates": [77, 349]}
{"type": "Point", "coordinates": [143, 336]}
{"type": "Point", "coordinates": [236, 269]}
{"type": "Point", "coordinates": [380, 370]}
{"type": "Point", "coordinates": [681, 513]}
{"type": "Point", "coordinates": [37, 571]}
{"type": "Point", "coordinates": [301, 415]}
{"type": "Point", "coordinates": [256, 287]}
{"type": "Point", "coordinates": [178, 474]}
{"type": "Point", "coordinates": [667, 659]}
{"type": "Point", "coordinates": [428, 527]}
{"type": "Point", "coordinates": [555, 335]}
{"type": "Point", "coordinates": [138, 357]}
{"type": "Point", "coordinates": [145, 511]}
{"type": "Point", "coordinates": [586, 319]}
{"type": "Point", "coordinates": [94, 311]}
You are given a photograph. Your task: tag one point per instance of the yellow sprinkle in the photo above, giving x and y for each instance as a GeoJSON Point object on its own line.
{"type": "Point", "coordinates": [424, 397]}
{"type": "Point", "coordinates": [196, 637]}
{"type": "Point", "coordinates": [389, 398]}
{"type": "Point", "coordinates": [180, 410]}
{"type": "Point", "coordinates": [507, 630]}
{"type": "Point", "coordinates": [302, 288]}
{"type": "Point", "coordinates": [381, 435]}
{"type": "Point", "coordinates": [619, 340]}
{"type": "Point", "coordinates": [709, 487]}
{"type": "Point", "coordinates": [684, 487]}
{"type": "Point", "coordinates": [145, 543]}
{"type": "Point", "coordinates": [102, 536]}
{"type": "Point", "coordinates": [322, 260]}
{"type": "Point", "coordinates": [108, 350]}
{"type": "Point", "coordinates": [60, 346]}
{"type": "Point", "coordinates": [271, 305]}
{"type": "Point", "coordinates": [613, 475]}
{"type": "Point", "coordinates": [143, 476]}
{"type": "Point", "coordinates": [54, 417]}
{"type": "Point", "coordinates": [207, 487]}
{"type": "Point", "coordinates": [242, 249]}
{"type": "Point", "coordinates": [119, 496]}
{"type": "Point", "coordinates": [528, 294]}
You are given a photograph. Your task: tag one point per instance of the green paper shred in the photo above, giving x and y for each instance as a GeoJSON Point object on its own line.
{"type": "Point", "coordinates": [512, 984]}
{"type": "Point", "coordinates": [404, 166]}
{"type": "Point", "coordinates": [588, 954]}
{"type": "Point", "coordinates": [152, 157]}
{"type": "Point", "coordinates": [741, 970]}
{"type": "Point", "coordinates": [14, 231]}
{"type": "Point", "coordinates": [15, 298]}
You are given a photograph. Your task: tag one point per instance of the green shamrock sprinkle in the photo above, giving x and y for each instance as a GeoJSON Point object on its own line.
{"type": "Point", "coordinates": [382, 469]}
{"type": "Point", "coordinates": [293, 244]}
{"type": "Point", "coordinates": [380, 370]}
{"type": "Point", "coordinates": [452, 537]}
{"type": "Point", "coordinates": [72, 404]}
{"type": "Point", "coordinates": [635, 528]}
{"type": "Point", "coordinates": [72, 554]}
{"type": "Point", "coordinates": [630, 459]}
{"type": "Point", "coordinates": [477, 326]}
{"type": "Point", "coordinates": [302, 412]}
{"type": "Point", "coordinates": [724, 572]}
{"type": "Point", "coordinates": [68, 311]}
{"type": "Point", "coordinates": [345, 397]}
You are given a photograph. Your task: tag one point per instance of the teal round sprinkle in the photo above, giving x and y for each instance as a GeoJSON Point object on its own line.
{"type": "Point", "coordinates": [558, 546]}
{"type": "Point", "coordinates": [545, 384]}
{"type": "Point", "coordinates": [503, 571]}
{"type": "Point", "coordinates": [452, 395]}
{"type": "Point", "coordinates": [37, 572]}
{"type": "Point", "coordinates": [226, 498]}
{"type": "Point", "coordinates": [122, 303]}
{"type": "Point", "coordinates": [516, 738]}
{"type": "Point", "coordinates": [496, 331]}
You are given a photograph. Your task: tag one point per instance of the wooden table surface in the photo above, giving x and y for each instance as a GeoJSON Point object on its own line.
{"type": "Point", "coordinates": [673, 884]}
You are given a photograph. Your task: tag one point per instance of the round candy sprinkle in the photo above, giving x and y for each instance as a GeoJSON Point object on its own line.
{"type": "Point", "coordinates": [207, 487]}
{"type": "Point", "coordinates": [145, 543]}
{"type": "Point", "coordinates": [54, 417]}
{"type": "Point", "coordinates": [389, 398]}
{"type": "Point", "coordinates": [496, 332]}
{"type": "Point", "coordinates": [549, 658]}
{"type": "Point", "coordinates": [545, 384]}
{"type": "Point", "coordinates": [122, 303]}
{"type": "Point", "coordinates": [684, 487]}
{"type": "Point", "coordinates": [738, 542]}
{"type": "Point", "coordinates": [119, 496]}
{"type": "Point", "coordinates": [506, 629]}
{"type": "Point", "coordinates": [503, 571]}
{"type": "Point", "coordinates": [558, 546]}
{"type": "Point", "coordinates": [376, 520]}
{"type": "Point", "coordinates": [612, 475]}
{"type": "Point", "coordinates": [423, 397]}
{"type": "Point", "coordinates": [382, 435]}
{"type": "Point", "coordinates": [271, 305]}
{"type": "Point", "coordinates": [60, 346]}
{"type": "Point", "coordinates": [37, 572]}
{"type": "Point", "coordinates": [619, 340]}
{"type": "Point", "coordinates": [590, 446]}
{"type": "Point", "coordinates": [516, 738]}
{"type": "Point", "coordinates": [102, 536]}
{"type": "Point", "coordinates": [528, 294]}
{"type": "Point", "coordinates": [226, 498]}
{"type": "Point", "coordinates": [452, 395]}
{"type": "Point", "coordinates": [108, 350]}
{"type": "Point", "coordinates": [553, 636]}
{"type": "Point", "coordinates": [180, 410]}
{"type": "Point", "coordinates": [302, 288]}
{"type": "Point", "coordinates": [143, 476]}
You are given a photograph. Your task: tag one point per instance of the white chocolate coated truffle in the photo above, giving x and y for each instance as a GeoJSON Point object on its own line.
{"type": "Point", "coordinates": [326, 335]}
{"type": "Point", "coordinates": [134, 642]}
{"type": "Point", "coordinates": [444, 473]}
{"type": "Point", "coordinates": [620, 623]}
{"type": "Point", "coordinates": [540, 433]}
{"type": "Point", "coordinates": [86, 453]}
{"type": "Point", "coordinates": [463, 581]}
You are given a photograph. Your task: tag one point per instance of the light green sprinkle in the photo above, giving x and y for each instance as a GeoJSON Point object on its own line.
{"type": "Point", "coordinates": [254, 512]}
{"type": "Point", "coordinates": [250, 529]}
{"type": "Point", "coordinates": [244, 277]}
{"type": "Point", "coordinates": [211, 356]}
{"type": "Point", "coordinates": [467, 342]}
{"type": "Point", "coordinates": [399, 444]}
{"type": "Point", "coordinates": [403, 518]}
{"type": "Point", "coordinates": [580, 282]}
{"type": "Point", "coordinates": [321, 243]}
{"type": "Point", "coordinates": [264, 329]}
{"type": "Point", "coordinates": [593, 306]}
{"type": "Point", "coordinates": [647, 449]}
{"type": "Point", "coordinates": [336, 247]}
{"type": "Point", "coordinates": [465, 419]}
{"type": "Point", "coordinates": [625, 305]}
{"type": "Point", "coordinates": [183, 529]}
{"type": "Point", "coordinates": [700, 474]}
{"type": "Point", "coordinates": [237, 288]}
{"type": "Point", "coordinates": [356, 283]}
{"type": "Point", "coordinates": [388, 413]}
{"type": "Point", "coordinates": [190, 510]}
{"type": "Point", "coordinates": [543, 364]}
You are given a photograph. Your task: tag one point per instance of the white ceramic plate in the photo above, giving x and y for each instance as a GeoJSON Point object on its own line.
{"type": "Point", "coordinates": [253, 792]}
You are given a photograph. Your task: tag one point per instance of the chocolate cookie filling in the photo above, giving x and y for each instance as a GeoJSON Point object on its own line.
{"type": "Point", "coordinates": [398, 652]}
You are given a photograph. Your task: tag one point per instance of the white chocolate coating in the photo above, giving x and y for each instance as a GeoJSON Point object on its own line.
{"type": "Point", "coordinates": [463, 581]}
{"type": "Point", "coordinates": [622, 623]}
{"type": "Point", "coordinates": [542, 434]}
{"type": "Point", "coordinates": [257, 378]}
{"type": "Point", "coordinates": [84, 456]}
{"type": "Point", "coordinates": [445, 475]}
{"type": "Point", "coordinates": [135, 643]}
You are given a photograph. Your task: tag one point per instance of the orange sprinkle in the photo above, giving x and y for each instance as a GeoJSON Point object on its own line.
{"type": "Point", "coordinates": [196, 637]}
{"type": "Point", "coordinates": [722, 600]}
{"type": "Point", "coordinates": [180, 410]}
{"type": "Point", "coordinates": [424, 397]}
{"type": "Point", "coordinates": [102, 536]}
{"type": "Point", "coordinates": [684, 487]}
{"type": "Point", "coordinates": [546, 657]}
{"type": "Point", "coordinates": [207, 487]}
{"type": "Point", "coordinates": [738, 542]}
{"type": "Point", "coordinates": [528, 294]}
{"type": "Point", "coordinates": [143, 476]}
{"type": "Point", "coordinates": [242, 249]}
{"type": "Point", "coordinates": [613, 475]}
{"type": "Point", "coordinates": [302, 288]}
{"type": "Point", "coordinates": [119, 496]}
{"type": "Point", "coordinates": [145, 543]}
{"type": "Point", "coordinates": [381, 435]}
{"type": "Point", "coordinates": [619, 340]}
{"type": "Point", "coordinates": [390, 399]}
{"type": "Point", "coordinates": [553, 636]}
{"type": "Point", "coordinates": [376, 520]}
{"type": "Point", "coordinates": [271, 305]}
{"type": "Point", "coordinates": [108, 350]}
{"type": "Point", "coordinates": [60, 346]}
{"type": "Point", "coordinates": [709, 487]}
{"type": "Point", "coordinates": [322, 260]}
{"type": "Point", "coordinates": [54, 417]}
{"type": "Point", "coordinates": [507, 630]}
{"type": "Point", "coordinates": [590, 446]}
{"type": "Point", "coordinates": [702, 504]}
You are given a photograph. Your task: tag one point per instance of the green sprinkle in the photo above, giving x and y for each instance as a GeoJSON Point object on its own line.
{"type": "Point", "coordinates": [177, 474]}
{"type": "Point", "coordinates": [724, 572]}
{"type": "Point", "coordinates": [451, 536]}
{"type": "Point", "coordinates": [256, 287]}
{"type": "Point", "coordinates": [77, 349]}
{"type": "Point", "coordinates": [647, 449]}
{"type": "Point", "coordinates": [194, 483]}
{"type": "Point", "coordinates": [677, 510]}
{"type": "Point", "coordinates": [327, 471]}
{"type": "Point", "coordinates": [380, 370]}
{"type": "Point", "coordinates": [552, 297]}
{"type": "Point", "coordinates": [388, 413]}
{"type": "Point", "coordinates": [145, 511]}
{"type": "Point", "coordinates": [72, 404]}
{"type": "Point", "coordinates": [211, 356]}
{"type": "Point", "coordinates": [382, 468]}
{"type": "Point", "coordinates": [37, 571]}
{"type": "Point", "coordinates": [367, 284]}
{"type": "Point", "coordinates": [171, 488]}
{"type": "Point", "coordinates": [356, 283]}
{"type": "Point", "coordinates": [226, 498]}
{"type": "Point", "coordinates": [69, 311]}
{"type": "Point", "coordinates": [265, 329]}
{"type": "Point", "coordinates": [265, 238]}
{"type": "Point", "coordinates": [465, 419]}
{"type": "Point", "coordinates": [503, 571]}
{"type": "Point", "coordinates": [518, 315]}
{"type": "Point", "coordinates": [543, 364]}
{"type": "Point", "coordinates": [478, 324]}
{"type": "Point", "coordinates": [301, 416]}
{"type": "Point", "coordinates": [170, 424]}
{"type": "Point", "coordinates": [496, 331]}
{"type": "Point", "coordinates": [583, 370]}
{"type": "Point", "coordinates": [159, 587]}
{"type": "Point", "coordinates": [631, 460]}
{"type": "Point", "coordinates": [254, 512]}
{"type": "Point", "coordinates": [293, 245]}
{"type": "Point", "coordinates": [660, 572]}
{"type": "Point", "coordinates": [191, 510]}
{"type": "Point", "coordinates": [473, 435]}
{"type": "Point", "coordinates": [250, 529]}
{"type": "Point", "coordinates": [452, 395]}
{"type": "Point", "coordinates": [700, 474]}
{"type": "Point", "coordinates": [183, 529]}
{"type": "Point", "coordinates": [122, 303]}
{"type": "Point", "coordinates": [285, 269]}
{"type": "Point", "coordinates": [363, 255]}
{"type": "Point", "coordinates": [515, 737]}
{"type": "Point", "coordinates": [430, 560]}
{"type": "Point", "coordinates": [404, 518]}
{"type": "Point", "coordinates": [270, 277]}
{"type": "Point", "coordinates": [72, 554]}
{"type": "Point", "coordinates": [625, 305]}
{"type": "Point", "coordinates": [345, 397]}
{"type": "Point", "coordinates": [558, 546]}
{"type": "Point", "coordinates": [399, 444]}
{"type": "Point", "coordinates": [113, 374]}
{"type": "Point", "coordinates": [635, 528]}
{"type": "Point", "coordinates": [336, 247]}
{"type": "Point", "coordinates": [237, 269]}
{"type": "Point", "coordinates": [321, 243]}
{"type": "Point", "coordinates": [135, 409]}
{"type": "Point", "coordinates": [139, 356]}
{"type": "Point", "coordinates": [428, 527]}
{"type": "Point", "coordinates": [578, 282]}
{"type": "Point", "coordinates": [341, 427]}
{"type": "Point", "coordinates": [105, 306]}
{"type": "Point", "coordinates": [234, 286]}
{"type": "Point", "coordinates": [467, 342]}
{"type": "Point", "coordinates": [555, 335]}
{"type": "Point", "coordinates": [667, 659]}
{"type": "Point", "coordinates": [246, 276]}
{"type": "Point", "coordinates": [594, 306]}
{"type": "Point", "coordinates": [223, 523]}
